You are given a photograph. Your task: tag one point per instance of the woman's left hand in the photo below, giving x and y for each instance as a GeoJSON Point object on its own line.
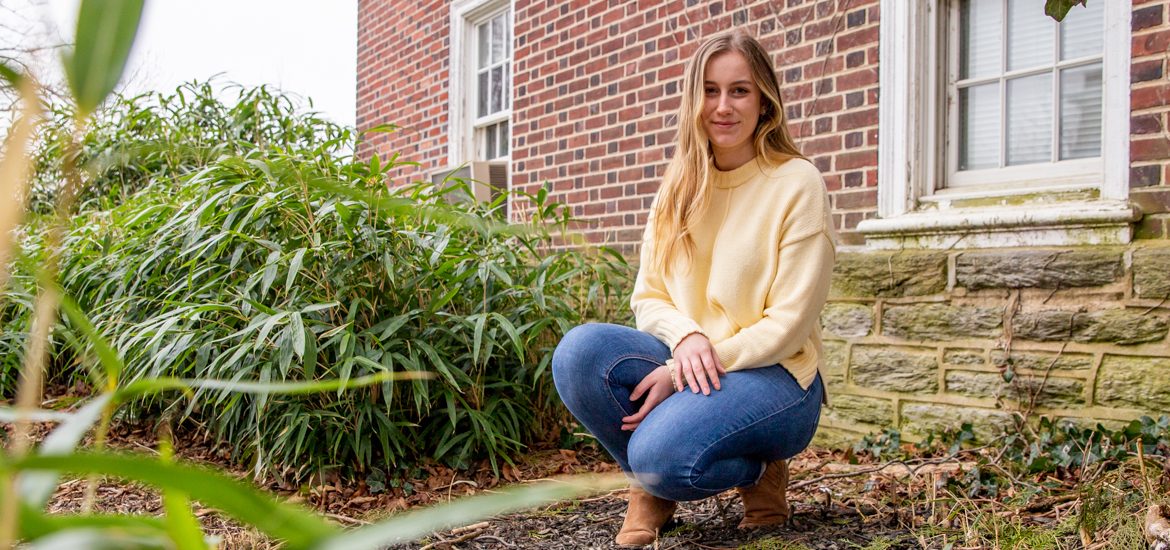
{"type": "Point", "coordinates": [657, 386]}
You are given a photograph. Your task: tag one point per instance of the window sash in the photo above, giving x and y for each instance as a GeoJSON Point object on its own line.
{"type": "Point", "coordinates": [492, 66]}
{"type": "Point", "coordinates": [1088, 170]}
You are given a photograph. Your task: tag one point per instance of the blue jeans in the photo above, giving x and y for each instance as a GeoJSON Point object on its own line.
{"type": "Point", "coordinates": [691, 446]}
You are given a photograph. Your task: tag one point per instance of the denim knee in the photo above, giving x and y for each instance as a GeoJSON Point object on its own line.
{"type": "Point", "coordinates": [665, 471]}
{"type": "Point", "coordinates": [575, 359]}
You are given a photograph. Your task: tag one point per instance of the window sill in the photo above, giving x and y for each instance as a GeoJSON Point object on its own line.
{"type": "Point", "coordinates": [1089, 222]}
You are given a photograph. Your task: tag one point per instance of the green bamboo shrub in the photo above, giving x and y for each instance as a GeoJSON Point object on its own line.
{"type": "Point", "coordinates": [153, 139]}
{"type": "Point", "coordinates": [319, 193]}
{"type": "Point", "coordinates": [243, 262]}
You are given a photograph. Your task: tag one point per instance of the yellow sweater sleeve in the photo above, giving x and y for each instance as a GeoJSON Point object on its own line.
{"type": "Point", "coordinates": [654, 311]}
{"type": "Point", "coordinates": [792, 311]}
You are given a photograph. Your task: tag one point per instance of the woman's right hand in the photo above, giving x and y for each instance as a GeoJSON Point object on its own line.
{"type": "Point", "coordinates": [695, 360]}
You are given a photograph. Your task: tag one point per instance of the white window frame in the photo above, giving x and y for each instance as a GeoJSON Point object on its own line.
{"type": "Point", "coordinates": [916, 210]}
{"type": "Point", "coordinates": [465, 16]}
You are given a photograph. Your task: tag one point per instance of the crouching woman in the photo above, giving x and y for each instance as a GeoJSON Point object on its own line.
{"type": "Point", "coordinates": [719, 384]}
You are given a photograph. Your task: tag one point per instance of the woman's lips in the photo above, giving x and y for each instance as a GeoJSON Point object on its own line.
{"type": "Point", "coordinates": [724, 124]}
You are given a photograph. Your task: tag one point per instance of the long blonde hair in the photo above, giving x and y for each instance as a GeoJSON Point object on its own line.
{"type": "Point", "coordinates": [685, 190]}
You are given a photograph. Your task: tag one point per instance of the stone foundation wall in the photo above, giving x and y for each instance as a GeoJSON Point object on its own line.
{"type": "Point", "coordinates": [926, 340]}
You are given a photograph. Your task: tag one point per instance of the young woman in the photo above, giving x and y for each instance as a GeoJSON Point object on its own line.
{"type": "Point", "coordinates": [720, 383]}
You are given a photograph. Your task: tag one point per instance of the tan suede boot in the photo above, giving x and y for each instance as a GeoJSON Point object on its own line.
{"type": "Point", "coordinates": [645, 515]}
{"type": "Point", "coordinates": [766, 502]}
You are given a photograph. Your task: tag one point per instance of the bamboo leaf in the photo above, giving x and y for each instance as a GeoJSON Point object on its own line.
{"type": "Point", "coordinates": [105, 32]}
{"type": "Point", "coordinates": [297, 327]}
{"type": "Point", "coordinates": [106, 354]}
{"type": "Point", "coordinates": [294, 267]}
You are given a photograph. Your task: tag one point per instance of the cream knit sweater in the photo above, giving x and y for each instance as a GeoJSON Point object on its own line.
{"type": "Point", "coordinates": [764, 252]}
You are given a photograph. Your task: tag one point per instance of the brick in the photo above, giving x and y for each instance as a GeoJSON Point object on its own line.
{"type": "Point", "coordinates": [1150, 44]}
{"type": "Point", "coordinates": [1145, 124]}
{"type": "Point", "coordinates": [1145, 176]}
{"type": "Point", "coordinates": [1144, 18]}
{"type": "Point", "coordinates": [1155, 148]}
{"type": "Point", "coordinates": [1144, 71]}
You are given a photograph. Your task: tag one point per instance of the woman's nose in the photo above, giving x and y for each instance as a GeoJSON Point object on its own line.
{"type": "Point", "coordinates": [724, 103]}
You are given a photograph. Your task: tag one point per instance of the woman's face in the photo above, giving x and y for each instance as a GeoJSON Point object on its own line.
{"type": "Point", "coordinates": [731, 109]}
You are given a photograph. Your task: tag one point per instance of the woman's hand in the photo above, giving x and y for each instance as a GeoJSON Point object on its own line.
{"type": "Point", "coordinates": [695, 359]}
{"type": "Point", "coordinates": [656, 386]}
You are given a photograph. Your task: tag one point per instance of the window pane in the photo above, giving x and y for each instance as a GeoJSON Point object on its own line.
{"type": "Point", "coordinates": [491, 141]}
{"type": "Point", "coordinates": [482, 93]}
{"type": "Point", "coordinates": [508, 35]}
{"type": "Point", "coordinates": [504, 143]}
{"type": "Point", "coordinates": [1029, 119]}
{"type": "Point", "coordinates": [1081, 31]}
{"type": "Point", "coordinates": [1080, 112]}
{"type": "Point", "coordinates": [498, 39]}
{"type": "Point", "coordinates": [1030, 35]}
{"type": "Point", "coordinates": [982, 24]}
{"type": "Point", "coordinates": [979, 127]}
{"type": "Point", "coordinates": [484, 46]}
{"type": "Point", "coordinates": [497, 89]}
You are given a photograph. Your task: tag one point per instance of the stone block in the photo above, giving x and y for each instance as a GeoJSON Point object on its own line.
{"type": "Point", "coordinates": [855, 409]}
{"type": "Point", "coordinates": [1141, 383]}
{"type": "Point", "coordinates": [894, 369]}
{"type": "Point", "coordinates": [1151, 273]}
{"type": "Point", "coordinates": [930, 322]}
{"type": "Point", "coordinates": [836, 362]}
{"type": "Point", "coordinates": [1038, 268]}
{"type": "Point", "coordinates": [922, 419]}
{"type": "Point", "coordinates": [1114, 326]}
{"type": "Point", "coordinates": [1055, 392]}
{"type": "Point", "coordinates": [836, 438]}
{"type": "Point", "coordinates": [889, 274]}
{"type": "Point", "coordinates": [847, 320]}
{"type": "Point", "coordinates": [964, 357]}
{"type": "Point", "coordinates": [1042, 362]}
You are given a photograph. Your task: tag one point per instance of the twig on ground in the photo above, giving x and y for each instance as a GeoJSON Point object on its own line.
{"type": "Point", "coordinates": [346, 519]}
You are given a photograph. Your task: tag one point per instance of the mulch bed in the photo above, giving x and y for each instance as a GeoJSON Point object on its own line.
{"type": "Point", "coordinates": [842, 510]}
{"type": "Point", "coordinates": [819, 523]}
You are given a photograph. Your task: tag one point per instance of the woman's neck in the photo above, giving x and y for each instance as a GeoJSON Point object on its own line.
{"type": "Point", "coordinates": [728, 161]}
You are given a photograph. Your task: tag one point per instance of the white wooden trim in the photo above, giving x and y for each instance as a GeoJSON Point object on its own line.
{"type": "Point", "coordinates": [895, 129]}
{"type": "Point", "coordinates": [1115, 108]}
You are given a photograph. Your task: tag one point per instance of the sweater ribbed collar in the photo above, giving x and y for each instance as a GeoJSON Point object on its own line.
{"type": "Point", "coordinates": [735, 177]}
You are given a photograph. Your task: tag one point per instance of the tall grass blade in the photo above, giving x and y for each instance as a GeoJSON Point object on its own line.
{"type": "Point", "coordinates": [413, 525]}
{"type": "Point", "coordinates": [156, 385]}
{"type": "Point", "coordinates": [234, 498]}
{"type": "Point", "coordinates": [35, 488]}
{"type": "Point", "coordinates": [15, 170]}
{"type": "Point", "coordinates": [105, 32]}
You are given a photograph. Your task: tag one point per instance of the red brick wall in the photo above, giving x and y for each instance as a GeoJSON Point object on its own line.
{"type": "Point", "coordinates": [1149, 123]}
{"type": "Point", "coordinates": [596, 89]}
{"type": "Point", "coordinates": [402, 78]}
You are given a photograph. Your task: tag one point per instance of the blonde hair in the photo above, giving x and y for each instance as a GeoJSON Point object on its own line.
{"type": "Point", "coordinates": [686, 184]}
